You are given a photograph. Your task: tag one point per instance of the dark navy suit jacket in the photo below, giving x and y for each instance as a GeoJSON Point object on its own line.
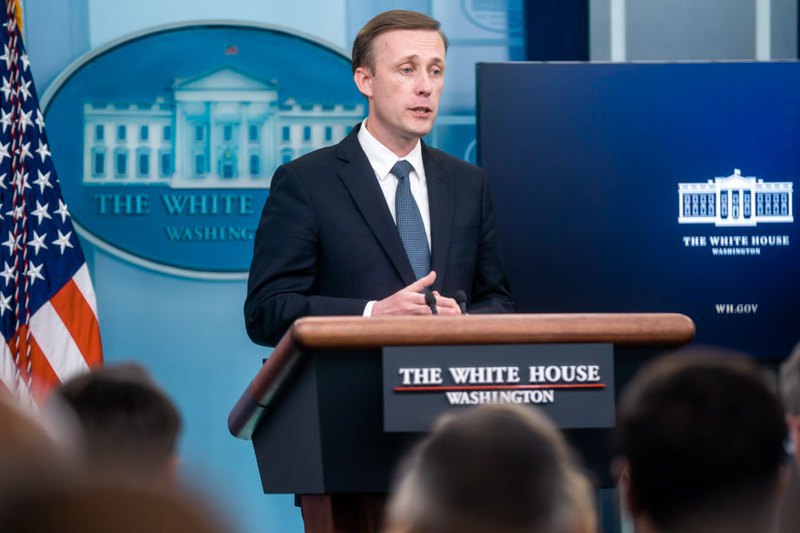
{"type": "Point", "coordinates": [327, 244]}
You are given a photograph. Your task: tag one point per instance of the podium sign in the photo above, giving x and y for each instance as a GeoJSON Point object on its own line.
{"type": "Point", "coordinates": [573, 384]}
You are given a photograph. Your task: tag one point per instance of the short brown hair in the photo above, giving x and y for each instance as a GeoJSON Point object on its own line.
{"type": "Point", "coordinates": [398, 19]}
{"type": "Point", "coordinates": [490, 468]}
{"type": "Point", "coordinates": [703, 433]}
{"type": "Point", "coordinates": [128, 422]}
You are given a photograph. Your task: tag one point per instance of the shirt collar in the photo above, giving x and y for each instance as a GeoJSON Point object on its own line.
{"type": "Point", "coordinates": [382, 159]}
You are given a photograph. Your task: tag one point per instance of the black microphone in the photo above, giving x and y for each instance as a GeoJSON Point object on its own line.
{"type": "Point", "coordinates": [430, 299]}
{"type": "Point", "coordinates": [461, 298]}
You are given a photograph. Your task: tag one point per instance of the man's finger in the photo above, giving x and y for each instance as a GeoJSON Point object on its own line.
{"type": "Point", "coordinates": [441, 301]}
{"type": "Point", "coordinates": [448, 304]}
{"type": "Point", "coordinates": [417, 298]}
{"type": "Point", "coordinates": [423, 282]}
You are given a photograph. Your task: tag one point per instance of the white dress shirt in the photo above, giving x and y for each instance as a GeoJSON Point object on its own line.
{"type": "Point", "coordinates": [382, 160]}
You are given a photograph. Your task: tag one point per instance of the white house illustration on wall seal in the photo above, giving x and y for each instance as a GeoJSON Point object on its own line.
{"type": "Point", "coordinates": [735, 200]}
{"type": "Point", "coordinates": [226, 129]}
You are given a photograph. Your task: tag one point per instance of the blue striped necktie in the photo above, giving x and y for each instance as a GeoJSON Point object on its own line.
{"type": "Point", "coordinates": [409, 222]}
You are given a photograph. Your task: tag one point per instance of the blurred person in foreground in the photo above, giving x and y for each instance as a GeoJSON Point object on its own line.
{"type": "Point", "coordinates": [700, 439]}
{"type": "Point", "coordinates": [30, 455]}
{"type": "Point", "coordinates": [130, 426]}
{"type": "Point", "coordinates": [790, 393]}
{"type": "Point", "coordinates": [493, 468]}
{"type": "Point", "coordinates": [106, 505]}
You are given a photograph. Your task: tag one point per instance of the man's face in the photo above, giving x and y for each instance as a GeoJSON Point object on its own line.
{"type": "Point", "coordinates": [404, 87]}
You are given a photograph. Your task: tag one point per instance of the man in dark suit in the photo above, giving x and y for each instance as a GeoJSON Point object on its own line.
{"type": "Point", "coordinates": [369, 226]}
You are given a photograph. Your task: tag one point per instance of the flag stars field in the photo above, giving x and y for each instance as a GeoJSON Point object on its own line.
{"type": "Point", "coordinates": [43, 181]}
{"type": "Point", "coordinates": [35, 272]}
{"type": "Point", "coordinates": [24, 151]}
{"type": "Point", "coordinates": [62, 211]}
{"type": "Point", "coordinates": [41, 212]}
{"type": "Point", "coordinates": [21, 177]}
{"type": "Point", "coordinates": [42, 150]}
{"type": "Point", "coordinates": [9, 273]}
{"type": "Point", "coordinates": [12, 242]}
{"type": "Point", "coordinates": [15, 213]}
{"type": "Point", "coordinates": [5, 119]}
{"type": "Point", "coordinates": [37, 242]}
{"type": "Point", "coordinates": [4, 304]}
{"type": "Point", "coordinates": [62, 242]}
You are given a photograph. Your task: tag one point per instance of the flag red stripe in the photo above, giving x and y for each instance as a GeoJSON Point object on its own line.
{"type": "Point", "coordinates": [80, 321]}
{"type": "Point", "coordinates": [44, 378]}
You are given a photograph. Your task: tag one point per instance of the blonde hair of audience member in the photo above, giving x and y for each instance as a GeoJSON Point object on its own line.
{"type": "Point", "coordinates": [583, 517]}
{"type": "Point", "coordinates": [790, 393]}
{"type": "Point", "coordinates": [492, 468]}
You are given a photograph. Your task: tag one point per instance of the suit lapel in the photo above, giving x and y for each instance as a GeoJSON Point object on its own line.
{"type": "Point", "coordinates": [359, 179]}
{"type": "Point", "coordinates": [440, 199]}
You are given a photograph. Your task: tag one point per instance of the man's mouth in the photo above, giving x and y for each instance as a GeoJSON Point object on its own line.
{"type": "Point", "coordinates": [422, 110]}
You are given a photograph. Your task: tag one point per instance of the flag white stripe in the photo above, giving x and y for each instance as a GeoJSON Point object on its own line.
{"type": "Point", "coordinates": [8, 375]}
{"type": "Point", "coordinates": [7, 368]}
{"type": "Point", "coordinates": [84, 282]}
{"type": "Point", "coordinates": [56, 343]}
{"type": "Point", "coordinates": [25, 398]}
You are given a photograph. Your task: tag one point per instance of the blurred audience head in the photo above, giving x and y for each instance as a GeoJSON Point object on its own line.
{"type": "Point", "coordinates": [29, 454]}
{"type": "Point", "coordinates": [493, 468]}
{"type": "Point", "coordinates": [701, 435]}
{"type": "Point", "coordinates": [790, 391]}
{"type": "Point", "coordinates": [104, 505]}
{"type": "Point", "coordinates": [129, 424]}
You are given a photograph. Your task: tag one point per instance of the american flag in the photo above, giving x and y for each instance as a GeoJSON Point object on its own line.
{"type": "Point", "coordinates": [47, 303]}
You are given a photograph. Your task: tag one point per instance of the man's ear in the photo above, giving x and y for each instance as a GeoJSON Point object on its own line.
{"type": "Point", "coordinates": [793, 425]}
{"type": "Point", "coordinates": [363, 78]}
{"type": "Point", "coordinates": [620, 472]}
{"type": "Point", "coordinates": [173, 469]}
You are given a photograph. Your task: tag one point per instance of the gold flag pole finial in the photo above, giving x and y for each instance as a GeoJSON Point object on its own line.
{"type": "Point", "coordinates": [16, 9]}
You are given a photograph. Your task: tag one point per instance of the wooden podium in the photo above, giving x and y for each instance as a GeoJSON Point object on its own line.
{"type": "Point", "coordinates": [314, 410]}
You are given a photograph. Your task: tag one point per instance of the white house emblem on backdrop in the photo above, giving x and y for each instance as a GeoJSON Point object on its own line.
{"type": "Point", "coordinates": [226, 129]}
{"type": "Point", "coordinates": [170, 170]}
{"type": "Point", "coordinates": [735, 200]}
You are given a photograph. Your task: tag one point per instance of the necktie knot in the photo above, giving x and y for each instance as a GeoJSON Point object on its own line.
{"type": "Point", "coordinates": [402, 169]}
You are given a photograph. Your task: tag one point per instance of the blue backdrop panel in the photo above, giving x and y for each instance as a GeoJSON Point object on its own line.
{"type": "Point", "coordinates": [587, 162]}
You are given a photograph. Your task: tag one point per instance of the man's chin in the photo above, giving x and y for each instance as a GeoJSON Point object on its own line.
{"type": "Point", "coordinates": [422, 129]}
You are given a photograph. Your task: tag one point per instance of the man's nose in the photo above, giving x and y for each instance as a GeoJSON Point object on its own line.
{"type": "Point", "coordinates": [424, 83]}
